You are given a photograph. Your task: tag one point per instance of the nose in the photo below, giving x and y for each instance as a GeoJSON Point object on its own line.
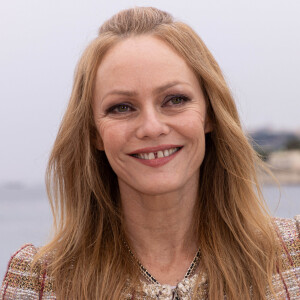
{"type": "Point", "coordinates": [152, 124]}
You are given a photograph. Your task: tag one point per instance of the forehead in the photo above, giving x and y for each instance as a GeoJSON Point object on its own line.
{"type": "Point", "coordinates": [142, 60]}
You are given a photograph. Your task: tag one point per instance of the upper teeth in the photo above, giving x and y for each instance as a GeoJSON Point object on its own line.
{"type": "Point", "coordinates": [158, 154]}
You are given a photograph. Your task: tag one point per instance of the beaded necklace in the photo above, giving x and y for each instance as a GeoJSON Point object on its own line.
{"type": "Point", "coordinates": [146, 274]}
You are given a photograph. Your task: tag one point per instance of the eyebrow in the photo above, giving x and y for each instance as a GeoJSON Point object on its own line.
{"type": "Point", "coordinates": [157, 90]}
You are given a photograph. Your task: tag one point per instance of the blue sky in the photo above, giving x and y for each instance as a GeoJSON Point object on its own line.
{"type": "Point", "coordinates": [257, 45]}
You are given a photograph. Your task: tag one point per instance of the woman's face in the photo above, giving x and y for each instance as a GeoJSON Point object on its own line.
{"type": "Point", "coordinates": [150, 115]}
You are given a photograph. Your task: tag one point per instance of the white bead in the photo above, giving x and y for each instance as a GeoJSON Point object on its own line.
{"type": "Point", "coordinates": [180, 285]}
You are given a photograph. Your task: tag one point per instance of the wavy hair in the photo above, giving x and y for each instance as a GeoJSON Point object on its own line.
{"type": "Point", "coordinates": [234, 231]}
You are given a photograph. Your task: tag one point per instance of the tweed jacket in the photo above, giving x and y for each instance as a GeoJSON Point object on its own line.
{"type": "Point", "coordinates": [20, 283]}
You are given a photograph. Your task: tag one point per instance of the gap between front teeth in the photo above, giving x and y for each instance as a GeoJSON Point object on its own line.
{"type": "Point", "coordinates": [158, 154]}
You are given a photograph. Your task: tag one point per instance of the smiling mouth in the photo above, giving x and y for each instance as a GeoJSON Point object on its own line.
{"type": "Point", "coordinates": [157, 154]}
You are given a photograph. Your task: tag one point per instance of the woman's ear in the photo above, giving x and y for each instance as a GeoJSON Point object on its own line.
{"type": "Point", "coordinates": [99, 143]}
{"type": "Point", "coordinates": [208, 126]}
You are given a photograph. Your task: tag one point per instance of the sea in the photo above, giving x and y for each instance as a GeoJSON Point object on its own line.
{"type": "Point", "coordinates": [25, 215]}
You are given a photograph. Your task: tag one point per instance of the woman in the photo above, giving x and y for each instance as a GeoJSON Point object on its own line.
{"type": "Point", "coordinates": [152, 181]}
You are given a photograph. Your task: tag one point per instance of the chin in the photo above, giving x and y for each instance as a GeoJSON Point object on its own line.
{"type": "Point", "coordinates": [156, 190]}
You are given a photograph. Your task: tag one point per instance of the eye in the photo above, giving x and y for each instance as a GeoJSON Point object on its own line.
{"type": "Point", "coordinates": [120, 108]}
{"type": "Point", "coordinates": [174, 100]}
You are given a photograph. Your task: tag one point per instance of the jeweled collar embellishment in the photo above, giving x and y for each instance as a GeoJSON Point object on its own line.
{"type": "Point", "coordinates": [154, 289]}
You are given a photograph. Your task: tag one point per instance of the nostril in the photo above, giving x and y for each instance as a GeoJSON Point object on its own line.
{"type": "Point", "coordinates": [152, 127]}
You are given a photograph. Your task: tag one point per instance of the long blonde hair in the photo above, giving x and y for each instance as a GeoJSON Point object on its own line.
{"type": "Point", "coordinates": [234, 231]}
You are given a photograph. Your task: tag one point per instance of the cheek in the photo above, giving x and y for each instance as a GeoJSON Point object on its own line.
{"type": "Point", "coordinates": [192, 124]}
{"type": "Point", "coordinates": [192, 128]}
{"type": "Point", "coordinates": [113, 134]}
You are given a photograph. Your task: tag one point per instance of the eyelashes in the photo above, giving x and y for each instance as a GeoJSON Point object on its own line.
{"type": "Point", "coordinates": [175, 100]}
{"type": "Point", "coordinates": [171, 101]}
{"type": "Point", "coordinates": [119, 108]}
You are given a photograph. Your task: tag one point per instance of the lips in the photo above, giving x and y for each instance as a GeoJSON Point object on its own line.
{"type": "Point", "coordinates": [159, 153]}
{"type": "Point", "coordinates": [156, 154]}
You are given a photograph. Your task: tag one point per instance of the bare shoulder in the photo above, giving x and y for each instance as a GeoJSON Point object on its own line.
{"type": "Point", "coordinates": [22, 281]}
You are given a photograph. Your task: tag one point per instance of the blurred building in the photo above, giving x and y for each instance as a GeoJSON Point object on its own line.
{"type": "Point", "coordinates": [285, 165]}
{"type": "Point", "coordinates": [285, 160]}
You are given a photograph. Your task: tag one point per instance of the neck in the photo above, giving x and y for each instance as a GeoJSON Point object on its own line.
{"type": "Point", "coordinates": [160, 230]}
